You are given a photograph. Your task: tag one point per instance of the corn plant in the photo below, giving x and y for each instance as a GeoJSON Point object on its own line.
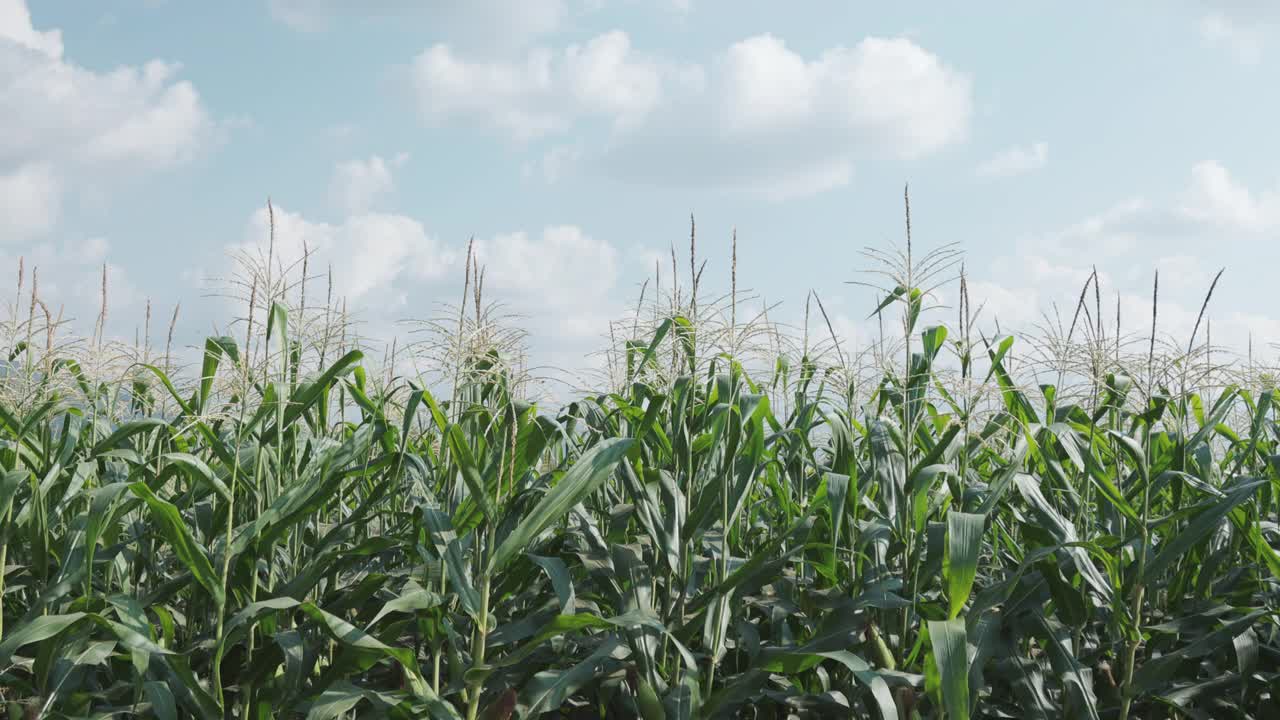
{"type": "Point", "coordinates": [941, 526]}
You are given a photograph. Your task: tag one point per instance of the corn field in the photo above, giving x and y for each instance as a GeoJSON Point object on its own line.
{"type": "Point", "coordinates": [738, 522]}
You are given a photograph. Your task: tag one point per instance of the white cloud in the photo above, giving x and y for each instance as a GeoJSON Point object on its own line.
{"type": "Point", "coordinates": [1183, 272]}
{"type": "Point", "coordinates": [544, 93]}
{"type": "Point", "coordinates": [889, 88]}
{"type": "Point", "coordinates": [62, 125]}
{"type": "Point", "coordinates": [1015, 161]}
{"type": "Point", "coordinates": [1242, 28]}
{"type": "Point", "coordinates": [767, 85]}
{"type": "Point", "coordinates": [563, 285]}
{"type": "Point", "coordinates": [606, 77]}
{"type": "Point", "coordinates": [808, 181]}
{"type": "Point", "coordinates": [15, 26]}
{"type": "Point", "coordinates": [70, 282]}
{"type": "Point", "coordinates": [1113, 232]}
{"type": "Point", "coordinates": [516, 98]}
{"type": "Point", "coordinates": [1244, 40]}
{"type": "Point", "coordinates": [1012, 306]}
{"type": "Point", "coordinates": [135, 116]}
{"type": "Point", "coordinates": [785, 183]}
{"type": "Point", "coordinates": [760, 118]}
{"type": "Point", "coordinates": [1025, 291]}
{"type": "Point", "coordinates": [370, 252]}
{"type": "Point", "coordinates": [358, 184]}
{"type": "Point", "coordinates": [30, 198]}
{"type": "Point", "coordinates": [767, 120]}
{"type": "Point", "coordinates": [1183, 238]}
{"type": "Point", "coordinates": [389, 267]}
{"type": "Point", "coordinates": [1218, 199]}
{"type": "Point", "coordinates": [563, 268]}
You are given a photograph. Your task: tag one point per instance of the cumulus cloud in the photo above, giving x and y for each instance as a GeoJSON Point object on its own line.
{"type": "Point", "coordinates": [1218, 199]}
{"type": "Point", "coordinates": [560, 282]}
{"type": "Point", "coordinates": [760, 117]}
{"type": "Point", "coordinates": [29, 200]}
{"type": "Point", "coordinates": [370, 252]}
{"type": "Point", "coordinates": [1243, 39]}
{"type": "Point", "coordinates": [1015, 161]}
{"type": "Point", "coordinates": [131, 115]}
{"type": "Point", "coordinates": [16, 26]}
{"type": "Point", "coordinates": [63, 125]}
{"type": "Point", "coordinates": [1241, 28]}
{"type": "Point", "coordinates": [1181, 237]}
{"type": "Point", "coordinates": [358, 184]}
{"type": "Point", "coordinates": [890, 88]}
{"type": "Point", "coordinates": [70, 282]}
{"type": "Point", "coordinates": [810, 179]}
{"type": "Point", "coordinates": [545, 92]}
{"type": "Point", "coordinates": [767, 85]}
{"type": "Point", "coordinates": [562, 268]}
{"type": "Point", "coordinates": [765, 119]}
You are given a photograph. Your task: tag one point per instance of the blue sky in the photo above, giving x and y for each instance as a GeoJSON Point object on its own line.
{"type": "Point", "coordinates": [573, 138]}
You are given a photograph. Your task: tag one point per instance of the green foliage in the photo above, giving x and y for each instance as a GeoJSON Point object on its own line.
{"type": "Point", "coordinates": [315, 544]}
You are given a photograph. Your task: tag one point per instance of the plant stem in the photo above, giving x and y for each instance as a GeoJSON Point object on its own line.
{"type": "Point", "coordinates": [478, 651]}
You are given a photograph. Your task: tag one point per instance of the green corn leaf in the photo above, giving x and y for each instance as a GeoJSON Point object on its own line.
{"type": "Point", "coordinates": [197, 470]}
{"type": "Point", "coordinates": [185, 547]}
{"type": "Point", "coordinates": [587, 473]}
{"type": "Point", "coordinates": [126, 431]}
{"type": "Point", "coordinates": [1201, 526]}
{"type": "Point", "coordinates": [548, 689]}
{"type": "Point", "coordinates": [37, 629]}
{"type": "Point", "coordinates": [964, 544]}
{"type": "Point", "coordinates": [161, 699]}
{"type": "Point", "coordinates": [470, 470]}
{"type": "Point", "coordinates": [306, 395]}
{"type": "Point", "coordinates": [950, 652]}
{"type": "Point", "coordinates": [215, 348]}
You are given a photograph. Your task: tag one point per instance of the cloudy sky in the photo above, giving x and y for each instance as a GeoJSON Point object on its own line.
{"type": "Point", "coordinates": [573, 138]}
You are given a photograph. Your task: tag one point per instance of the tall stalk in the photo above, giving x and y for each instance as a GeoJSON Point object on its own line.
{"type": "Point", "coordinates": [1139, 590]}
